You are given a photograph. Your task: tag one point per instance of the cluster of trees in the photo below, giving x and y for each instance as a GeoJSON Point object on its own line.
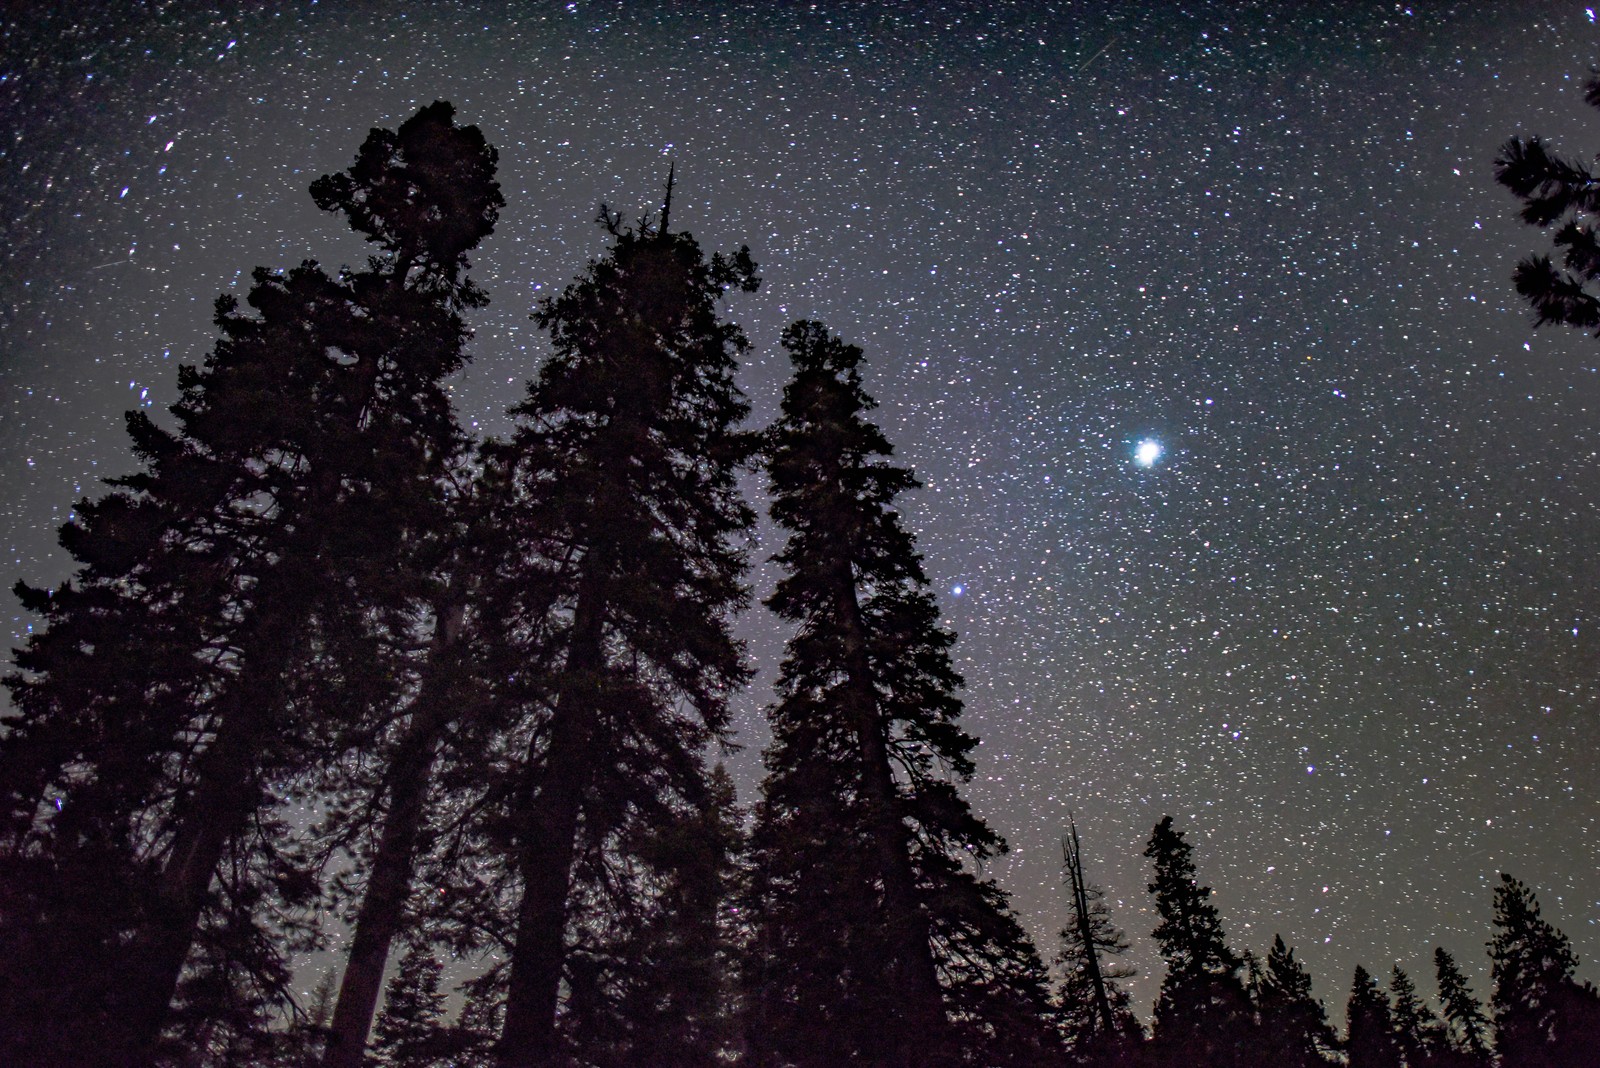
{"type": "Point", "coordinates": [324, 655]}
{"type": "Point", "coordinates": [1223, 1009]}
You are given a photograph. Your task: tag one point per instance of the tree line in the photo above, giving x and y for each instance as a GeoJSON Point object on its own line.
{"type": "Point", "coordinates": [325, 655]}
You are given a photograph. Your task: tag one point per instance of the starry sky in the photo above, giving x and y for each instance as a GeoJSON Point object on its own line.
{"type": "Point", "coordinates": [1339, 615]}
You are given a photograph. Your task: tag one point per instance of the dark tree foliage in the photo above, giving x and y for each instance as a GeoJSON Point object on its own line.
{"type": "Point", "coordinates": [1092, 1009]}
{"type": "Point", "coordinates": [624, 517]}
{"type": "Point", "coordinates": [301, 1041]}
{"type": "Point", "coordinates": [1203, 1014]}
{"type": "Point", "coordinates": [1295, 1032]}
{"type": "Point", "coordinates": [1545, 1010]}
{"type": "Point", "coordinates": [876, 941]}
{"type": "Point", "coordinates": [1418, 1032]}
{"type": "Point", "coordinates": [382, 814]}
{"type": "Point", "coordinates": [679, 1007]}
{"type": "Point", "coordinates": [1542, 1015]}
{"type": "Point", "coordinates": [660, 988]}
{"type": "Point", "coordinates": [227, 628]}
{"type": "Point", "coordinates": [1466, 1034]}
{"type": "Point", "coordinates": [1369, 1026]}
{"type": "Point", "coordinates": [411, 1031]}
{"type": "Point", "coordinates": [1563, 194]}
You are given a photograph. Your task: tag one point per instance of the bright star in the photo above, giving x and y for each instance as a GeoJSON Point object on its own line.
{"type": "Point", "coordinates": [1147, 452]}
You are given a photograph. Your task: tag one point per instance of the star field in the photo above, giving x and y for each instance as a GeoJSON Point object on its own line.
{"type": "Point", "coordinates": [1344, 625]}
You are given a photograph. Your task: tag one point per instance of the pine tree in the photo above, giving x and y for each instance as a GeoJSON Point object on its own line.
{"type": "Point", "coordinates": [1369, 1026]}
{"type": "Point", "coordinates": [1202, 1011]}
{"type": "Point", "coordinates": [228, 618]}
{"type": "Point", "coordinates": [1542, 1015]}
{"type": "Point", "coordinates": [1294, 1026]}
{"type": "Point", "coordinates": [301, 1043]}
{"type": "Point", "coordinates": [223, 1009]}
{"type": "Point", "coordinates": [1563, 194]}
{"type": "Point", "coordinates": [1467, 1028]}
{"type": "Point", "coordinates": [1093, 1009]}
{"type": "Point", "coordinates": [410, 1031]}
{"type": "Point", "coordinates": [1416, 1028]}
{"type": "Point", "coordinates": [876, 941]}
{"type": "Point", "coordinates": [624, 472]}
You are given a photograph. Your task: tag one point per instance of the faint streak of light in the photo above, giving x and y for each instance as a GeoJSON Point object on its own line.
{"type": "Point", "coordinates": [1096, 56]}
{"type": "Point", "coordinates": [113, 263]}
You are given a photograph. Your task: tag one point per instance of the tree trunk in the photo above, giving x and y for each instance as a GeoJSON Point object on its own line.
{"type": "Point", "coordinates": [1091, 951]}
{"type": "Point", "coordinates": [552, 803]}
{"type": "Point", "coordinates": [225, 795]}
{"type": "Point", "coordinates": [919, 1039]}
{"type": "Point", "coordinates": [382, 911]}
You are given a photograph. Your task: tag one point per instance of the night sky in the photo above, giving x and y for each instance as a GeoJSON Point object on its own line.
{"type": "Point", "coordinates": [1250, 491]}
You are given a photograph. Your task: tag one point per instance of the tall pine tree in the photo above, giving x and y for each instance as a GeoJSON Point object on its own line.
{"type": "Point", "coordinates": [1369, 1025]}
{"type": "Point", "coordinates": [1294, 1026]}
{"type": "Point", "coordinates": [1542, 1016]}
{"type": "Point", "coordinates": [877, 941]}
{"type": "Point", "coordinates": [1202, 1012]}
{"type": "Point", "coordinates": [230, 596]}
{"type": "Point", "coordinates": [1417, 1030]}
{"type": "Point", "coordinates": [625, 506]}
{"type": "Point", "coordinates": [1466, 1027]}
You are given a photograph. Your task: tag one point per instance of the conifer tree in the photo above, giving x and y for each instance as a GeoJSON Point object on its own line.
{"type": "Point", "coordinates": [1369, 1025]}
{"type": "Point", "coordinates": [239, 581]}
{"type": "Point", "coordinates": [410, 1032]}
{"type": "Point", "coordinates": [1202, 1011]}
{"type": "Point", "coordinates": [1294, 1026]}
{"type": "Point", "coordinates": [1466, 1027]}
{"type": "Point", "coordinates": [876, 942]}
{"type": "Point", "coordinates": [1093, 1009]}
{"type": "Point", "coordinates": [1416, 1028]}
{"type": "Point", "coordinates": [482, 1013]}
{"type": "Point", "coordinates": [302, 1040]}
{"type": "Point", "coordinates": [625, 508]}
{"type": "Point", "coordinates": [1542, 1015]}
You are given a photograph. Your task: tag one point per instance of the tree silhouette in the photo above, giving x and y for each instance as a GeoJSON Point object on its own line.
{"type": "Point", "coordinates": [1294, 1025]}
{"type": "Point", "coordinates": [1418, 1032]}
{"type": "Point", "coordinates": [411, 1030]}
{"type": "Point", "coordinates": [1542, 1015]}
{"type": "Point", "coordinates": [625, 504]}
{"type": "Point", "coordinates": [229, 615]}
{"type": "Point", "coordinates": [1466, 1027]}
{"type": "Point", "coordinates": [1369, 1026]}
{"type": "Point", "coordinates": [1094, 1009]}
{"type": "Point", "coordinates": [1202, 1011]}
{"type": "Point", "coordinates": [876, 939]}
